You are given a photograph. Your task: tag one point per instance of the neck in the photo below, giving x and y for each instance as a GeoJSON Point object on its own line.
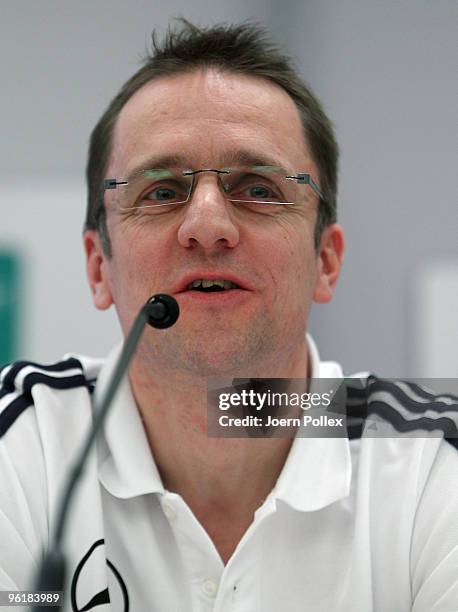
{"type": "Point", "coordinates": [208, 472]}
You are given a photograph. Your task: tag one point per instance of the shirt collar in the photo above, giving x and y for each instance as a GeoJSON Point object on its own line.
{"type": "Point", "coordinates": [317, 471]}
{"type": "Point", "coordinates": [126, 465]}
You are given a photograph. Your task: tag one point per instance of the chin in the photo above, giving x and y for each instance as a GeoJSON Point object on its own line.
{"type": "Point", "coordinates": [208, 352]}
{"type": "Point", "coordinates": [211, 357]}
{"type": "Point", "coordinates": [214, 363]}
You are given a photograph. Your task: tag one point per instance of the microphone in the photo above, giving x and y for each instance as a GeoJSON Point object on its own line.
{"type": "Point", "coordinates": [160, 311]}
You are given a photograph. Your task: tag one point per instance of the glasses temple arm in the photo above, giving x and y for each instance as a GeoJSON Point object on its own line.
{"type": "Point", "coordinates": [307, 180]}
{"type": "Point", "coordinates": [112, 183]}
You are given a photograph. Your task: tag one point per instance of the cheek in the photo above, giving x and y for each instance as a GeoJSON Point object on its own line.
{"type": "Point", "coordinates": [295, 256]}
{"type": "Point", "coordinates": [291, 265]}
{"type": "Point", "coordinates": [136, 260]}
{"type": "Point", "coordinates": [135, 244]}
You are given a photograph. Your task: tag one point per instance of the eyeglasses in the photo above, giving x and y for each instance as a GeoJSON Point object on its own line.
{"type": "Point", "coordinates": [257, 186]}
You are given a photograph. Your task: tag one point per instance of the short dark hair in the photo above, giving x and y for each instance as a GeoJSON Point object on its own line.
{"type": "Point", "coordinates": [243, 48]}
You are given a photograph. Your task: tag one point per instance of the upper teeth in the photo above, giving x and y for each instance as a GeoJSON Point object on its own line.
{"type": "Point", "coordinates": [202, 282]}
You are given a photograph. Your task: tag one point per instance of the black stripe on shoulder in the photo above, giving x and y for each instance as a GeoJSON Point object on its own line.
{"type": "Point", "coordinates": [390, 414]}
{"type": "Point", "coordinates": [55, 382]}
{"type": "Point", "coordinates": [60, 366]}
{"type": "Point", "coordinates": [44, 376]}
{"type": "Point", "coordinates": [356, 406]}
{"type": "Point", "coordinates": [91, 385]}
{"type": "Point", "coordinates": [12, 411]}
{"type": "Point", "coordinates": [427, 393]}
{"type": "Point", "coordinates": [359, 408]}
{"type": "Point", "coordinates": [452, 441]}
{"type": "Point", "coordinates": [435, 401]}
{"type": "Point", "coordinates": [355, 429]}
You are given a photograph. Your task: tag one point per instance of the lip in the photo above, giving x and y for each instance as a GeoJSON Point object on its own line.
{"type": "Point", "coordinates": [228, 299]}
{"type": "Point", "coordinates": [182, 285]}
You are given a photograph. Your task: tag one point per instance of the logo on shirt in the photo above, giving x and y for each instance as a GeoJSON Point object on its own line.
{"type": "Point", "coordinates": [84, 596]}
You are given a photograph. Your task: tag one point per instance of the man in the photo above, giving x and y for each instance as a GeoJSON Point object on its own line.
{"type": "Point", "coordinates": [212, 177]}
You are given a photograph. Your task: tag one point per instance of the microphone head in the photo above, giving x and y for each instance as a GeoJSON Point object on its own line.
{"type": "Point", "coordinates": [161, 311]}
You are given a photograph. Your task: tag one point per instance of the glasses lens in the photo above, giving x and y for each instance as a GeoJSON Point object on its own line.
{"type": "Point", "coordinates": [259, 184]}
{"type": "Point", "coordinates": [155, 188]}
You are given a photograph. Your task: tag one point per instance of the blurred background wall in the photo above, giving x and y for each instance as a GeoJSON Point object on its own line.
{"type": "Point", "coordinates": [387, 75]}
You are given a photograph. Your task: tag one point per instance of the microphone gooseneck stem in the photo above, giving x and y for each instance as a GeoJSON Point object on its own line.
{"type": "Point", "coordinates": [160, 311]}
{"type": "Point", "coordinates": [99, 416]}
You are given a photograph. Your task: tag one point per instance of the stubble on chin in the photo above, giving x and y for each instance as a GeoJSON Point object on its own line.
{"type": "Point", "coordinates": [237, 352]}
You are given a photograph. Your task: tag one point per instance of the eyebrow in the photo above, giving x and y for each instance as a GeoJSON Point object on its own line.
{"type": "Point", "coordinates": [226, 159]}
{"type": "Point", "coordinates": [156, 161]}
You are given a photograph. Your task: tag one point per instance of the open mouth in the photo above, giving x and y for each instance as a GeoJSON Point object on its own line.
{"type": "Point", "coordinates": [211, 286]}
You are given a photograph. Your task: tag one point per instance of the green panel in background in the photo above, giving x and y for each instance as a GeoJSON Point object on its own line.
{"type": "Point", "coordinates": [9, 305]}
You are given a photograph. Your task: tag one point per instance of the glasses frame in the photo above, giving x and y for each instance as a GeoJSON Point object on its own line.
{"type": "Point", "coordinates": [301, 178]}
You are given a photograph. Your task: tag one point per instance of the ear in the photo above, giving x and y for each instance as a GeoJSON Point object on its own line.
{"type": "Point", "coordinates": [97, 270]}
{"type": "Point", "coordinates": [329, 262]}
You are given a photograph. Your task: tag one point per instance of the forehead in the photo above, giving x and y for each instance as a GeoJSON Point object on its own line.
{"type": "Point", "coordinates": [206, 115]}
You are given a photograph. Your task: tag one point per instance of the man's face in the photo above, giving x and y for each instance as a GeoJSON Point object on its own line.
{"type": "Point", "coordinates": [209, 119]}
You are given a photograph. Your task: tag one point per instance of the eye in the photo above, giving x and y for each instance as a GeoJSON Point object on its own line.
{"type": "Point", "coordinates": [260, 192]}
{"type": "Point", "coordinates": [161, 194]}
{"type": "Point", "coordinates": [248, 187]}
{"type": "Point", "coordinates": [170, 192]}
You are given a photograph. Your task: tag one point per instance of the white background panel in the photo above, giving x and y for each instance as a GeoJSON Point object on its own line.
{"type": "Point", "coordinates": [44, 224]}
{"type": "Point", "coordinates": [435, 316]}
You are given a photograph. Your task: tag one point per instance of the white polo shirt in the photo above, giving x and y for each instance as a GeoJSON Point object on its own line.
{"type": "Point", "coordinates": [362, 525]}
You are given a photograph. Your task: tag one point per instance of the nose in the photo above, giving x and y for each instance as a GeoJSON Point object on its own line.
{"type": "Point", "coordinates": [208, 221]}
